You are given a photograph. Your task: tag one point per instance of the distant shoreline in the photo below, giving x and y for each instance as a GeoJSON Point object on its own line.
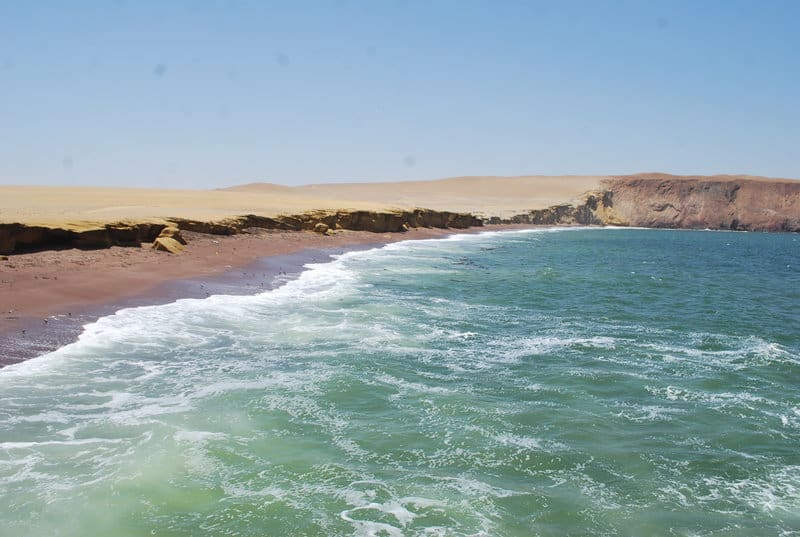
{"type": "Point", "coordinates": [41, 218]}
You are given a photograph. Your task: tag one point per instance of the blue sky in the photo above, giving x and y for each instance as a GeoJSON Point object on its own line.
{"type": "Point", "coordinates": [205, 94]}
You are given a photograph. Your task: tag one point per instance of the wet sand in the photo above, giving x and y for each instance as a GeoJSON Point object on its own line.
{"type": "Point", "coordinates": [46, 297]}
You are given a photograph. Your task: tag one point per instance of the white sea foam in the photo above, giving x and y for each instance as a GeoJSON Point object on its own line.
{"type": "Point", "coordinates": [525, 442]}
{"type": "Point", "coordinates": [406, 387]}
{"type": "Point", "coordinates": [736, 352]}
{"type": "Point", "coordinates": [81, 442]}
{"type": "Point", "coordinates": [198, 437]}
{"type": "Point", "coordinates": [720, 399]}
{"type": "Point", "coordinates": [265, 397]}
{"type": "Point", "coordinates": [778, 491]}
{"type": "Point", "coordinates": [154, 326]}
{"type": "Point", "coordinates": [648, 413]}
{"type": "Point", "coordinates": [507, 351]}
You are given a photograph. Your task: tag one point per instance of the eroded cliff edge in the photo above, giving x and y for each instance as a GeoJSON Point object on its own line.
{"type": "Point", "coordinates": [644, 200]}
{"type": "Point", "coordinates": [21, 238]}
{"type": "Point", "coordinates": [666, 201]}
{"type": "Point", "coordinates": [717, 202]}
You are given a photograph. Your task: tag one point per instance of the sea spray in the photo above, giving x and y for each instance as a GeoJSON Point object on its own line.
{"type": "Point", "coordinates": [546, 382]}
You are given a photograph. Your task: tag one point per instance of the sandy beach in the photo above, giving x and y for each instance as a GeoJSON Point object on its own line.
{"type": "Point", "coordinates": [45, 297]}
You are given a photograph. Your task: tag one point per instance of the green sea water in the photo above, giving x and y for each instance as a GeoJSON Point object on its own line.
{"type": "Point", "coordinates": [547, 382]}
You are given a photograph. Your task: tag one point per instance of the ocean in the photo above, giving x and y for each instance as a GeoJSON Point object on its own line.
{"type": "Point", "coordinates": [548, 382]}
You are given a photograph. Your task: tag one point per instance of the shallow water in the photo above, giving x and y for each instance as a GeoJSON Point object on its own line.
{"type": "Point", "coordinates": [548, 382]}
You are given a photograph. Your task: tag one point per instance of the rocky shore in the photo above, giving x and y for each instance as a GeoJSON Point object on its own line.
{"type": "Point", "coordinates": [19, 238]}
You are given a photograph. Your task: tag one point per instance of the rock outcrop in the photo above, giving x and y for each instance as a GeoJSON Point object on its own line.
{"type": "Point", "coordinates": [17, 238]}
{"type": "Point", "coordinates": [172, 232]}
{"type": "Point", "coordinates": [594, 208]}
{"type": "Point", "coordinates": [166, 244]}
{"type": "Point", "coordinates": [716, 202]}
{"type": "Point", "coordinates": [665, 201]}
{"type": "Point", "coordinates": [20, 238]}
{"type": "Point", "coordinates": [374, 221]}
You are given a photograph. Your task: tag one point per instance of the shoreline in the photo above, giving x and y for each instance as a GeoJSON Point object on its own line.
{"type": "Point", "coordinates": [46, 298]}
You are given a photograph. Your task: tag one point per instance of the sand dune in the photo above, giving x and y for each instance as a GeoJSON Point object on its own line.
{"type": "Point", "coordinates": [480, 195]}
{"type": "Point", "coordinates": [489, 196]}
{"type": "Point", "coordinates": [485, 196]}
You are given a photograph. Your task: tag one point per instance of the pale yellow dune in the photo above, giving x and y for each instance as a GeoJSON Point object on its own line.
{"type": "Point", "coordinates": [486, 196]}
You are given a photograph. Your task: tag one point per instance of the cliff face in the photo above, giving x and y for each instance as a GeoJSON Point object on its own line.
{"type": "Point", "coordinates": [662, 201]}
{"type": "Point", "coordinates": [593, 209]}
{"type": "Point", "coordinates": [18, 238]}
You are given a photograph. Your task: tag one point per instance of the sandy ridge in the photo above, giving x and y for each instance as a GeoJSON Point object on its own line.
{"type": "Point", "coordinates": [82, 206]}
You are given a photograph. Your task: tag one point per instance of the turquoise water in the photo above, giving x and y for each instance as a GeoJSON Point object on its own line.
{"type": "Point", "coordinates": [548, 382]}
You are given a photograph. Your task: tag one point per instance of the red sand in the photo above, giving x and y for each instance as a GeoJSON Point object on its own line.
{"type": "Point", "coordinates": [53, 283]}
{"type": "Point", "coordinates": [46, 297]}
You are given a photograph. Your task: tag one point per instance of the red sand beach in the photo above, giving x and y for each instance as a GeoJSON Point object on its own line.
{"type": "Point", "coordinates": [55, 292]}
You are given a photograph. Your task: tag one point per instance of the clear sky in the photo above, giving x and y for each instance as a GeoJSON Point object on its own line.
{"type": "Point", "coordinates": [205, 94]}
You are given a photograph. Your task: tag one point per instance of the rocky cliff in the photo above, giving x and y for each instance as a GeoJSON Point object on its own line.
{"type": "Point", "coordinates": [592, 209]}
{"type": "Point", "coordinates": [19, 238]}
{"type": "Point", "coordinates": [716, 202]}
{"type": "Point", "coordinates": [666, 201]}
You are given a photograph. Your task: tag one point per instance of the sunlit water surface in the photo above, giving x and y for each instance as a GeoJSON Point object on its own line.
{"type": "Point", "coordinates": [549, 382]}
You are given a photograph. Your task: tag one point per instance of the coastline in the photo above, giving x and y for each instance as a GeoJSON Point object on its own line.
{"type": "Point", "coordinates": [47, 297]}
